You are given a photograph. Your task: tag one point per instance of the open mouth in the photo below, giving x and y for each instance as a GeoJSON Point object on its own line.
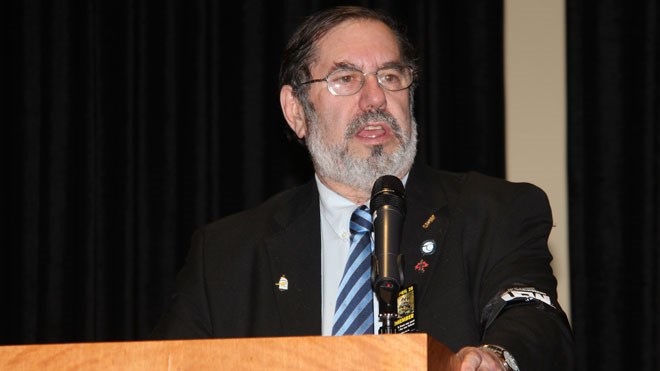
{"type": "Point", "coordinates": [373, 131]}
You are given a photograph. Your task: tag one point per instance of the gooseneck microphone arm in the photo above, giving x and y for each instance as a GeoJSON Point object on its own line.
{"type": "Point", "coordinates": [388, 209]}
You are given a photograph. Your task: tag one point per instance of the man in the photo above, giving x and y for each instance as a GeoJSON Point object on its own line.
{"type": "Point", "coordinates": [475, 247]}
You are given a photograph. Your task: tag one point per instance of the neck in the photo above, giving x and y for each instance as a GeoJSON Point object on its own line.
{"type": "Point", "coordinates": [355, 195]}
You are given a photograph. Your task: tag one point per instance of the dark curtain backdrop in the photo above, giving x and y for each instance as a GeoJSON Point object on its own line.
{"type": "Point", "coordinates": [128, 124]}
{"type": "Point", "coordinates": [614, 182]}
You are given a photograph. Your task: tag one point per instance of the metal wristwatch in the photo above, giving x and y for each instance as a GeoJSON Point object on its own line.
{"type": "Point", "coordinates": [505, 357]}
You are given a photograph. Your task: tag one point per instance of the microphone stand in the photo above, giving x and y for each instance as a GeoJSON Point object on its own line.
{"type": "Point", "coordinates": [387, 291]}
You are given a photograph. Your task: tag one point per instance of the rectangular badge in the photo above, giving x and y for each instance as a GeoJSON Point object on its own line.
{"type": "Point", "coordinates": [406, 311]}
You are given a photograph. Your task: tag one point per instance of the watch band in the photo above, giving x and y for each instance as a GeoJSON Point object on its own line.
{"type": "Point", "coordinates": [505, 357]}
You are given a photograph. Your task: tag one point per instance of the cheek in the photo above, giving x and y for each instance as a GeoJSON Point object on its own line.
{"type": "Point", "coordinates": [332, 124]}
{"type": "Point", "coordinates": [335, 130]}
{"type": "Point", "coordinates": [403, 115]}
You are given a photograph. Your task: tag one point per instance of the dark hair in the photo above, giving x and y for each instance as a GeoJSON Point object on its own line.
{"type": "Point", "coordinates": [300, 51]}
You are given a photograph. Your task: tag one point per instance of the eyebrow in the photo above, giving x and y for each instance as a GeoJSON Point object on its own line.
{"type": "Point", "coordinates": [350, 66]}
{"type": "Point", "coordinates": [344, 66]}
{"type": "Point", "coordinates": [392, 65]}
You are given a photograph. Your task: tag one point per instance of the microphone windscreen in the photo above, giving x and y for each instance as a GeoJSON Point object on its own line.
{"type": "Point", "coordinates": [388, 190]}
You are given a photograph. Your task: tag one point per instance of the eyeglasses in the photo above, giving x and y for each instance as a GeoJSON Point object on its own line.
{"type": "Point", "coordinates": [349, 81]}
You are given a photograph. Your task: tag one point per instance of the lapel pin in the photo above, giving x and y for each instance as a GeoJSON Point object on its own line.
{"type": "Point", "coordinates": [428, 221]}
{"type": "Point", "coordinates": [282, 284]}
{"type": "Point", "coordinates": [428, 247]}
{"type": "Point", "coordinates": [421, 266]}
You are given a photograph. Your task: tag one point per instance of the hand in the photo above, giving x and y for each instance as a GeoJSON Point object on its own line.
{"type": "Point", "coordinates": [476, 359]}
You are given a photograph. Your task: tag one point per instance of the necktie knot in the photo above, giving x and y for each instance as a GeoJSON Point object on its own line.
{"type": "Point", "coordinates": [361, 221]}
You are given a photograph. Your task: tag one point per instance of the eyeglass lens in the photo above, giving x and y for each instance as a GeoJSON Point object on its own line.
{"type": "Point", "coordinates": [349, 81]}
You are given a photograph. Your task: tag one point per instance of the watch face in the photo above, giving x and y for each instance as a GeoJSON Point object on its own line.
{"type": "Point", "coordinates": [511, 361]}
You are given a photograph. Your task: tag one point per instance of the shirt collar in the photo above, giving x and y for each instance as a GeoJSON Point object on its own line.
{"type": "Point", "coordinates": [336, 209]}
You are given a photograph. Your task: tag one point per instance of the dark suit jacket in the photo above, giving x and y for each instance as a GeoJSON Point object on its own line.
{"type": "Point", "coordinates": [491, 235]}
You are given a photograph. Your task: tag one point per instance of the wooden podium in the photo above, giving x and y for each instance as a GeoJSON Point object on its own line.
{"type": "Point", "coordinates": [365, 352]}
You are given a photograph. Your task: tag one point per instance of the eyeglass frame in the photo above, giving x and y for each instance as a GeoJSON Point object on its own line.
{"type": "Point", "coordinates": [364, 79]}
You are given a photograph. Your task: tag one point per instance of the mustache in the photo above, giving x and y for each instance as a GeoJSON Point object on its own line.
{"type": "Point", "coordinates": [362, 120]}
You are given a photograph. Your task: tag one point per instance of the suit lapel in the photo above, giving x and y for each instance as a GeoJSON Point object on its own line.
{"type": "Point", "coordinates": [427, 221]}
{"type": "Point", "coordinates": [295, 254]}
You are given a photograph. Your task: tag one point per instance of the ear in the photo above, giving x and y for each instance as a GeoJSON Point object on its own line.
{"type": "Point", "coordinates": [293, 111]}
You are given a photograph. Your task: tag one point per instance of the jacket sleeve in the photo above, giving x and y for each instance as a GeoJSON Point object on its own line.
{"type": "Point", "coordinates": [517, 289]}
{"type": "Point", "coordinates": [187, 316]}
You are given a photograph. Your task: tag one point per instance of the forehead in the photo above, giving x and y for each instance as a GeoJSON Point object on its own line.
{"type": "Point", "coordinates": [366, 44]}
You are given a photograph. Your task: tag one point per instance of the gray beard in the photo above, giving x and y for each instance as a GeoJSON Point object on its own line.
{"type": "Point", "coordinates": [334, 162]}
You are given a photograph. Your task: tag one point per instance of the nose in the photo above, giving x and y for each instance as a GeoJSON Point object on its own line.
{"type": "Point", "coordinates": [372, 95]}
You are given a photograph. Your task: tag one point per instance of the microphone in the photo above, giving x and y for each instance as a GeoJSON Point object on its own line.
{"type": "Point", "coordinates": [388, 209]}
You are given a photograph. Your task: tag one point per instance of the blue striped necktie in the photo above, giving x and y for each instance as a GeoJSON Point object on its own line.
{"type": "Point", "coordinates": [354, 308]}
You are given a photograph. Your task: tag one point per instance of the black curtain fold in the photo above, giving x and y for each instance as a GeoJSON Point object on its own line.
{"type": "Point", "coordinates": [128, 124]}
{"type": "Point", "coordinates": [614, 182]}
